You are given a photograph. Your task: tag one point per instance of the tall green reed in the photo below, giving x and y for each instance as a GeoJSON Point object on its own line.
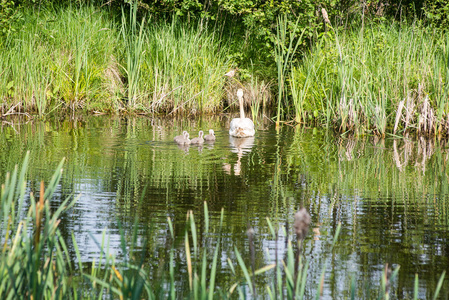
{"type": "Point", "coordinates": [60, 58]}
{"type": "Point", "coordinates": [356, 79]}
{"type": "Point", "coordinates": [34, 261]}
{"type": "Point", "coordinates": [285, 49]}
{"type": "Point", "coordinates": [184, 67]}
{"type": "Point", "coordinates": [80, 57]}
{"type": "Point", "coordinates": [134, 37]}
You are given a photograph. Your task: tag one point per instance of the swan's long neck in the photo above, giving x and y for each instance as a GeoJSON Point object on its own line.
{"type": "Point", "coordinates": [242, 112]}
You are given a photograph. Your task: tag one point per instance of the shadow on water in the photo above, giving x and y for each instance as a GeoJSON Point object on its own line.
{"type": "Point", "coordinates": [390, 195]}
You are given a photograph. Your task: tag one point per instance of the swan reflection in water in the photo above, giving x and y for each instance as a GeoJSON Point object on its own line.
{"type": "Point", "coordinates": [239, 146]}
{"type": "Point", "coordinates": [184, 147]}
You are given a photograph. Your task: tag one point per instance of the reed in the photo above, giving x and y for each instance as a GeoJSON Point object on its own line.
{"type": "Point", "coordinates": [286, 46]}
{"type": "Point", "coordinates": [184, 68]}
{"type": "Point", "coordinates": [134, 38]}
{"type": "Point", "coordinates": [57, 60]}
{"type": "Point", "coordinates": [34, 259]}
{"type": "Point", "coordinates": [66, 58]}
{"type": "Point", "coordinates": [356, 79]}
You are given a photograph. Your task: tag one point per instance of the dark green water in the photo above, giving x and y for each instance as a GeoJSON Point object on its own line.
{"type": "Point", "coordinates": [391, 196]}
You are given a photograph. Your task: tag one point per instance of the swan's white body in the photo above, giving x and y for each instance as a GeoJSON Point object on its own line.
{"type": "Point", "coordinates": [199, 139]}
{"type": "Point", "coordinates": [180, 138]}
{"type": "Point", "coordinates": [211, 136]}
{"type": "Point", "coordinates": [241, 127]}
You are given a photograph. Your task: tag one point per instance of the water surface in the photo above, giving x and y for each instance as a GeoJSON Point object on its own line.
{"type": "Point", "coordinates": [391, 195]}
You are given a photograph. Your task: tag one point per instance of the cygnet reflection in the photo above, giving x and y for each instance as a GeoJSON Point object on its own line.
{"type": "Point", "coordinates": [239, 146]}
{"type": "Point", "coordinates": [186, 147]}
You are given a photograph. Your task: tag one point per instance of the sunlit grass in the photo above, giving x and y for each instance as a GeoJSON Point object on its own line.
{"type": "Point", "coordinates": [71, 58]}
{"type": "Point", "coordinates": [355, 79]}
{"type": "Point", "coordinates": [184, 69]}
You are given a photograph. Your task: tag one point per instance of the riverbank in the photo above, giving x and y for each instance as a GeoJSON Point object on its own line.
{"type": "Point", "coordinates": [379, 77]}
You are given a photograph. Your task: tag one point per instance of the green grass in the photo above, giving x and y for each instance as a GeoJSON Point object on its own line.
{"type": "Point", "coordinates": [34, 259]}
{"type": "Point", "coordinates": [355, 79]}
{"type": "Point", "coordinates": [71, 58]}
{"type": "Point", "coordinates": [183, 69]}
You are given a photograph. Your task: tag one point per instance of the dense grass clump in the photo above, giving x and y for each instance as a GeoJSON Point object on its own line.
{"type": "Point", "coordinates": [59, 59]}
{"type": "Point", "coordinates": [379, 78]}
{"type": "Point", "coordinates": [183, 69]}
{"type": "Point", "coordinates": [71, 58]}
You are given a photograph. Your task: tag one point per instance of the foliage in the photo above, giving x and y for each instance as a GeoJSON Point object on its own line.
{"type": "Point", "coordinates": [169, 56]}
{"type": "Point", "coordinates": [34, 260]}
{"type": "Point", "coordinates": [80, 58]}
{"type": "Point", "coordinates": [9, 15]}
{"type": "Point", "coordinates": [437, 13]}
{"type": "Point", "coordinates": [356, 80]}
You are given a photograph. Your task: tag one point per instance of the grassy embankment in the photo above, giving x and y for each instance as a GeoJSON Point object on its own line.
{"type": "Point", "coordinates": [68, 58]}
{"type": "Point", "coordinates": [379, 77]}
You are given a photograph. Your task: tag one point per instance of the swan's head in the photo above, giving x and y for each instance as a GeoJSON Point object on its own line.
{"type": "Point", "coordinates": [200, 133]}
{"type": "Point", "coordinates": [211, 132]}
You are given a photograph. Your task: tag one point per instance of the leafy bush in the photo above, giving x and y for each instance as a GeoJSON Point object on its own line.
{"type": "Point", "coordinates": [9, 14]}
{"type": "Point", "coordinates": [437, 13]}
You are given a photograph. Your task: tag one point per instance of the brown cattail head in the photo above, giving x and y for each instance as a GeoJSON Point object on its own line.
{"type": "Point", "coordinates": [302, 222]}
{"type": "Point", "coordinates": [387, 274]}
{"type": "Point", "coordinates": [325, 16]}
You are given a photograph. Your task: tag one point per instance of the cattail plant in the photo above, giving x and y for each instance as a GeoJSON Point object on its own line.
{"type": "Point", "coordinates": [284, 57]}
{"type": "Point", "coordinates": [32, 266]}
{"type": "Point", "coordinates": [250, 233]}
{"type": "Point", "coordinates": [301, 226]}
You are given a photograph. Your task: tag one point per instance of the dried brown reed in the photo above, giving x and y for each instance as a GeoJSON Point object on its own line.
{"type": "Point", "coordinates": [386, 278]}
{"type": "Point", "coordinates": [112, 77]}
{"type": "Point", "coordinates": [348, 113]}
{"type": "Point", "coordinates": [39, 214]}
{"type": "Point", "coordinates": [398, 115]}
{"type": "Point", "coordinates": [256, 93]}
{"type": "Point", "coordinates": [426, 119]}
{"type": "Point", "coordinates": [409, 111]}
{"type": "Point", "coordinates": [301, 224]}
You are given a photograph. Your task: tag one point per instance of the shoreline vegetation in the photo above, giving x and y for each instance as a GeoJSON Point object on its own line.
{"type": "Point", "coordinates": [35, 262]}
{"type": "Point", "coordinates": [360, 71]}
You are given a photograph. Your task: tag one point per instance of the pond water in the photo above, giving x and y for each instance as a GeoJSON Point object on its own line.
{"type": "Point", "coordinates": [391, 196]}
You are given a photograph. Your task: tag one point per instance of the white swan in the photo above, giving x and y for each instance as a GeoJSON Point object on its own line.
{"type": "Point", "coordinates": [199, 139]}
{"type": "Point", "coordinates": [183, 140]}
{"type": "Point", "coordinates": [241, 127]}
{"type": "Point", "coordinates": [211, 136]}
{"type": "Point", "coordinates": [186, 140]}
{"type": "Point", "coordinates": [180, 138]}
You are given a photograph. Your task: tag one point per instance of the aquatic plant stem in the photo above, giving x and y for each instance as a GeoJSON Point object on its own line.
{"type": "Point", "coordinates": [284, 56]}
